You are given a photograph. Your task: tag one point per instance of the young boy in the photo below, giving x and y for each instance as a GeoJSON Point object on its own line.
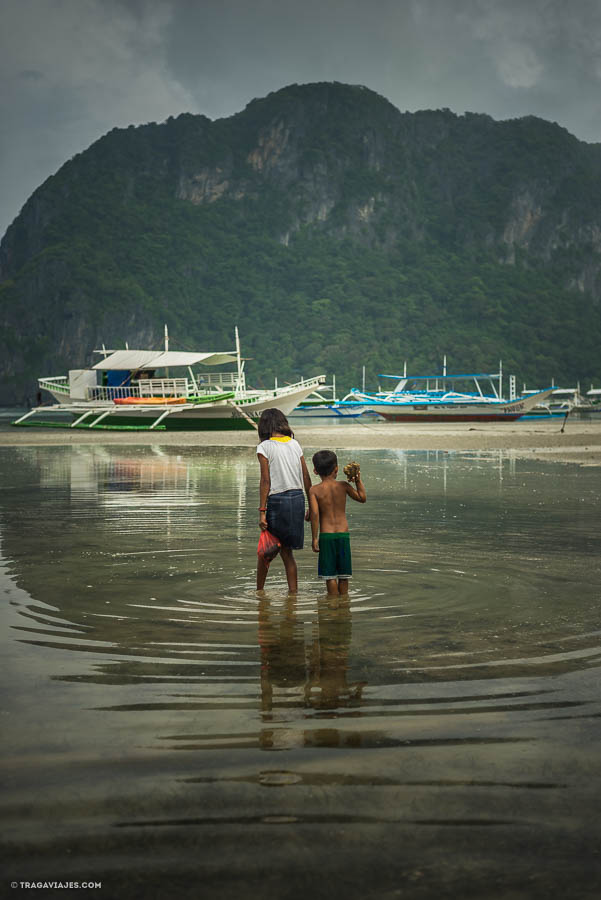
{"type": "Point", "coordinates": [327, 506]}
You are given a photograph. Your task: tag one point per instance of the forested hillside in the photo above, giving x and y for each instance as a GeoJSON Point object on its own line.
{"type": "Point", "coordinates": [334, 230]}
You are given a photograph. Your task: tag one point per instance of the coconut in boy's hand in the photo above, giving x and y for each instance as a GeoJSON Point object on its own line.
{"type": "Point", "coordinates": [352, 471]}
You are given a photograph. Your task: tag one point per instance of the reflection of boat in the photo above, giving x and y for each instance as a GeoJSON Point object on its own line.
{"type": "Point", "coordinates": [432, 398]}
{"type": "Point", "coordinates": [123, 391]}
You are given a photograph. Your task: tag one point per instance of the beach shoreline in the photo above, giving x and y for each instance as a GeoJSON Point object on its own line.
{"type": "Point", "coordinates": [579, 443]}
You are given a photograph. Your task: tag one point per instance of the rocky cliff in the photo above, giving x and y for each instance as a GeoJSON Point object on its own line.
{"type": "Point", "coordinates": [333, 229]}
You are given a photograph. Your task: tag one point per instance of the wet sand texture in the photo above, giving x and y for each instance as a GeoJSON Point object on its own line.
{"type": "Point", "coordinates": [580, 442]}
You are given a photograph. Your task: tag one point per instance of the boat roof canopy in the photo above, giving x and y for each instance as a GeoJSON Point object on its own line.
{"type": "Point", "coordinates": [440, 375]}
{"type": "Point", "coordinates": [133, 360]}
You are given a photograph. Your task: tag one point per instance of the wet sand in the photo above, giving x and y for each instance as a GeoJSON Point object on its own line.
{"type": "Point", "coordinates": [579, 443]}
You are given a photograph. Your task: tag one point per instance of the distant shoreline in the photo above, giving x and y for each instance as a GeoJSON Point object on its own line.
{"type": "Point", "coordinates": [580, 443]}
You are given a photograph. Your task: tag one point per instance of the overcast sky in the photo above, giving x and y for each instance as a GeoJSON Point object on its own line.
{"type": "Point", "coordinates": [73, 69]}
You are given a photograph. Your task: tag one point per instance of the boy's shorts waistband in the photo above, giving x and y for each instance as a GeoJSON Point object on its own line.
{"type": "Point", "coordinates": [333, 534]}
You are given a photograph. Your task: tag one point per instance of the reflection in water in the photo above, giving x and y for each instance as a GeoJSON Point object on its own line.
{"type": "Point", "coordinates": [312, 675]}
{"type": "Point", "coordinates": [283, 658]}
{"type": "Point", "coordinates": [158, 707]}
{"type": "Point", "coordinates": [328, 686]}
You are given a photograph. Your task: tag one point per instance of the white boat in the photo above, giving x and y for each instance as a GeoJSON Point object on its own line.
{"type": "Point", "coordinates": [123, 390]}
{"type": "Point", "coordinates": [568, 399]}
{"type": "Point", "coordinates": [318, 406]}
{"type": "Point", "coordinates": [542, 409]}
{"type": "Point", "coordinates": [594, 398]}
{"type": "Point", "coordinates": [562, 401]}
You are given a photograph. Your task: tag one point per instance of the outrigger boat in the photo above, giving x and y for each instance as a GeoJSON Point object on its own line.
{"type": "Point", "coordinates": [569, 399]}
{"type": "Point", "coordinates": [562, 401]}
{"type": "Point", "coordinates": [318, 406]}
{"type": "Point", "coordinates": [433, 401]}
{"type": "Point", "coordinates": [122, 390]}
{"type": "Point", "coordinates": [594, 398]}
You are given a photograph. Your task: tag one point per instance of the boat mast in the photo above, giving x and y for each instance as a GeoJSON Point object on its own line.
{"type": "Point", "coordinates": [238, 359]}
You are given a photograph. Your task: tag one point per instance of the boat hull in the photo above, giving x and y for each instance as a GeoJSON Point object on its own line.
{"type": "Point", "coordinates": [222, 415]}
{"type": "Point", "coordinates": [179, 422]}
{"type": "Point", "coordinates": [327, 412]}
{"type": "Point", "coordinates": [457, 411]}
{"type": "Point", "coordinates": [449, 417]}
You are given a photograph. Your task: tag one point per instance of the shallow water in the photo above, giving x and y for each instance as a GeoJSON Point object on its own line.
{"type": "Point", "coordinates": [170, 734]}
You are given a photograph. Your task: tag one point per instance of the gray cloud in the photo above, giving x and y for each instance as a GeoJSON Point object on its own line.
{"type": "Point", "coordinates": [73, 69]}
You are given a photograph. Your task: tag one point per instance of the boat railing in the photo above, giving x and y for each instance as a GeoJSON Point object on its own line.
{"type": "Point", "coordinates": [177, 387]}
{"type": "Point", "coordinates": [152, 387]}
{"type": "Point", "coordinates": [164, 387]}
{"type": "Point", "coordinates": [228, 380]}
{"type": "Point", "coordinates": [58, 383]}
{"type": "Point", "coordinates": [315, 382]}
{"type": "Point", "coordinates": [99, 392]}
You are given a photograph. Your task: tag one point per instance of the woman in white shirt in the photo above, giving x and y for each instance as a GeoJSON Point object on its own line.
{"type": "Point", "coordinates": [284, 474]}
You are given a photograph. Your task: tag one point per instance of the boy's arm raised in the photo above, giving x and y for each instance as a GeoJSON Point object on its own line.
{"type": "Point", "coordinates": [358, 492]}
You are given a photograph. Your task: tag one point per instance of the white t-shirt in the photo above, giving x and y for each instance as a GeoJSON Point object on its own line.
{"type": "Point", "coordinates": [284, 456]}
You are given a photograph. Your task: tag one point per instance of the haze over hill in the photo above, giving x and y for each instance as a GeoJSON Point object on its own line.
{"type": "Point", "coordinates": [334, 230]}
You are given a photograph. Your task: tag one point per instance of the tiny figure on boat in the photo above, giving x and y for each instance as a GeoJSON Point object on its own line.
{"type": "Point", "coordinates": [329, 525]}
{"type": "Point", "coordinates": [284, 474]}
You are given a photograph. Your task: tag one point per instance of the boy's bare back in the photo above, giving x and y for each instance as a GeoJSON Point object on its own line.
{"type": "Point", "coordinates": [327, 508]}
{"type": "Point", "coordinates": [329, 502]}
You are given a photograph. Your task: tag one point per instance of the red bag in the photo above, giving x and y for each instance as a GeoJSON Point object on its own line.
{"type": "Point", "coordinates": [269, 546]}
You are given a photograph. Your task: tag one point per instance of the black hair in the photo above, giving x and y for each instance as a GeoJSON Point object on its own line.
{"type": "Point", "coordinates": [325, 461]}
{"type": "Point", "coordinates": [273, 421]}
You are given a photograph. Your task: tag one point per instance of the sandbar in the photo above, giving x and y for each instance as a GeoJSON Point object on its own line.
{"type": "Point", "coordinates": [579, 442]}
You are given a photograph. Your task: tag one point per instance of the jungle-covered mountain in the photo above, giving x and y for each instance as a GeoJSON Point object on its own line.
{"type": "Point", "coordinates": [333, 229]}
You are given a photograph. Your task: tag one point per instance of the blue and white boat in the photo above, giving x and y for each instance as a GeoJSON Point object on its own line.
{"type": "Point", "coordinates": [432, 398]}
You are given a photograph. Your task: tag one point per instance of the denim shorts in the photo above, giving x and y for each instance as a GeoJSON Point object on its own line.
{"type": "Point", "coordinates": [286, 518]}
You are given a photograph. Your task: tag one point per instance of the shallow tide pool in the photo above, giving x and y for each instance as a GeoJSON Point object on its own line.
{"type": "Point", "coordinates": [170, 734]}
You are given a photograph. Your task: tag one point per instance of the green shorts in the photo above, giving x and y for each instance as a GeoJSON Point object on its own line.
{"type": "Point", "coordinates": [334, 555]}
